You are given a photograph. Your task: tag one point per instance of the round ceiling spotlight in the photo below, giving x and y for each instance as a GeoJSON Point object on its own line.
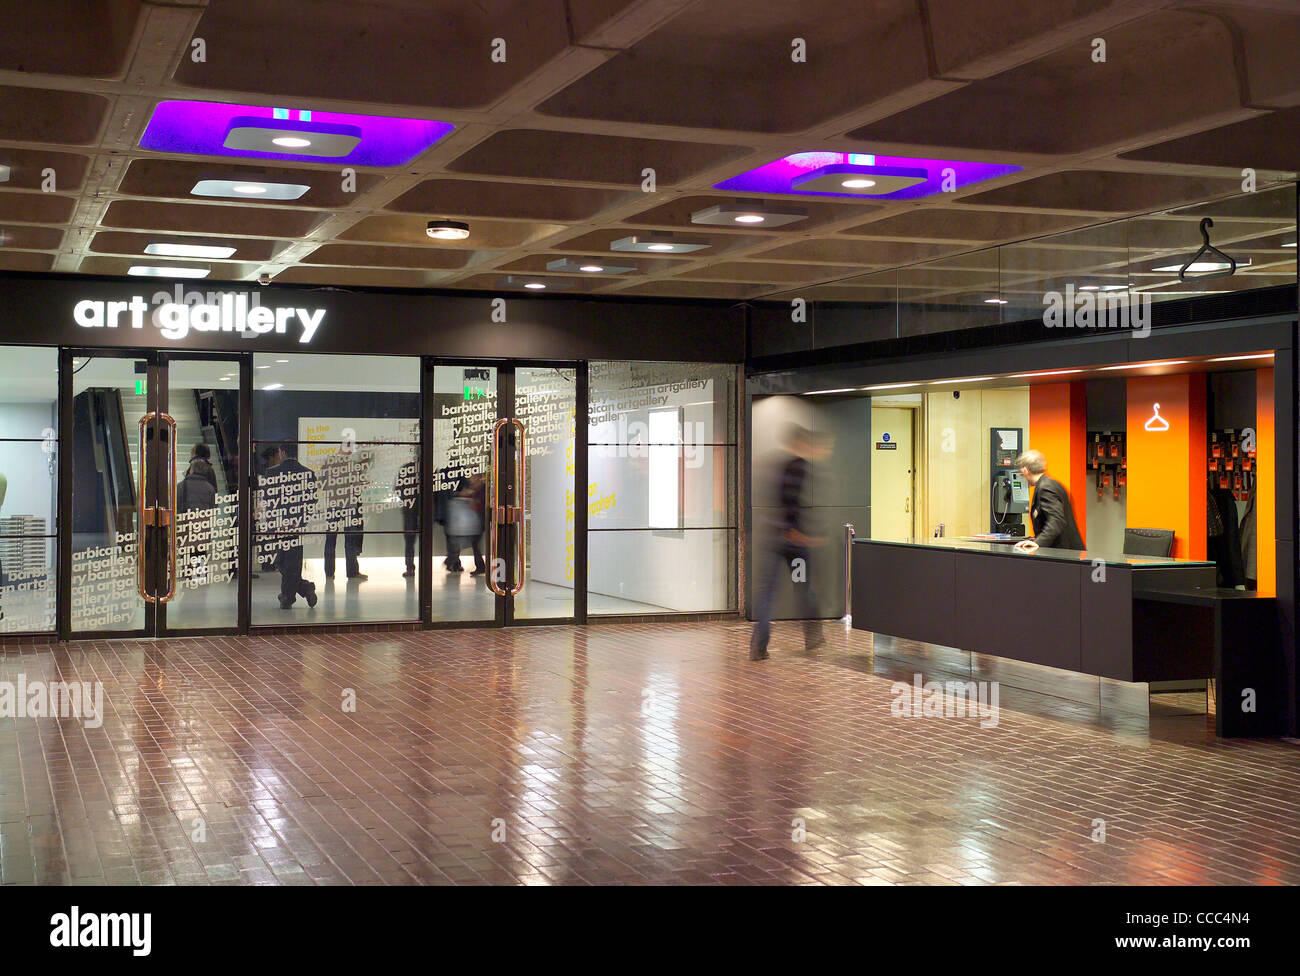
{"type": "Point", "coordinates": [447, 230]}
{"type": "Point", "coordinates": [291, 142]}
{"type": "Point", "coordinates": [659, 247]}
{"type": "Point", "coordinates": [535, 285]}
{"type": "Point", "coordinates": [749, 218]}
{"type": "Point", "coordinates": [592, 268]}
{"type": "Point", "coordinates": [858, 184]}
{"type": "Point", "coordinates": [248, 188]}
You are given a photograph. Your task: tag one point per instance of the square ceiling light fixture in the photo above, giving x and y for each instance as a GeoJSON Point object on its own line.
{"type": "Point", "coordinates": [214, 129]}
{"type": "Point", "coordinates": [166, 249]}
{"type": "Point", "coordinates": [249, 189]}
{"type": "Point", "coordinates": [743, 214]}
{"type": "Point", "coordinates": [587, 266]}
{"type": "Point", "coordinates": [532, 284]}
{"type": "Point", "coordinates": [164, 271]}
{"type": "Point", "coordinates": [320, 140]}
{"type": "Point", "coordinates": [813, 173]}
{"type": "Point", "coordinates": [858, 180]}
{"type": "Point", "coordinates": [660, 243]}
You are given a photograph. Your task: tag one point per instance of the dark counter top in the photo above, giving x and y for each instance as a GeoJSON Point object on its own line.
{"type": "Point", "coordinates": [1049, 555]}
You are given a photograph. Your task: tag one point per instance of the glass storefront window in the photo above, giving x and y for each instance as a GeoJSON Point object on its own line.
{"type": "Point", "coordinates": [336, 443]}
{"type": "Point", "coordinates": [660, 492]}
{"type": "Point", "coordinates": [28, 488]}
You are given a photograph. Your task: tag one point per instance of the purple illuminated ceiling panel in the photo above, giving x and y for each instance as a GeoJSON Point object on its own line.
{"type": "Point", "coordinates": [779, 176]}
{"type": "Point", "coordinates": [201, 128]}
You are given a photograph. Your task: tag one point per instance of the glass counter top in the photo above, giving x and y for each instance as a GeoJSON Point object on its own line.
{"type": "Point", "coordinates": [957, 544]}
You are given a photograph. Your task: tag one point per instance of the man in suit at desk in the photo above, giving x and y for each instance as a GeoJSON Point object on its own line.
{"type": "Point", "coordinates": [1050, 514]}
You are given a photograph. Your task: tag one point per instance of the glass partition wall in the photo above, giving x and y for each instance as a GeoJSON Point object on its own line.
{"type": "Point", "coordinates": [1134, 262]}
{"type": "Point", "coordinates": [335, 445]}
{"type": "Point", "coordinates": [307, 493]}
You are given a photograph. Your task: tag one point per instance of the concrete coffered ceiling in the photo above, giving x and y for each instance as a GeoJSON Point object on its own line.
{"type": "Point", "coordinates": [547, 156]}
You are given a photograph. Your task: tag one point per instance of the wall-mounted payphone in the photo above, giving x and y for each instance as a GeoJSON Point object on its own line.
{"type": "Point", "coordinates": [1008, 491]}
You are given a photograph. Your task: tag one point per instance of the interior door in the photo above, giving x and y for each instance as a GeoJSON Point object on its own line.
{"type": "Point", "coordinates": [156, 464]}
{"type": "Point", "coordinates": [893, 500]}
{"type": "Point", "coordinates": [502, 478]}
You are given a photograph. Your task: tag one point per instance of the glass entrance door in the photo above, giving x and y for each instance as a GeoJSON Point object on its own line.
{"type": "Point", "coordinates": [156, 470]}
{"type": "Point", "coordinates": [502, 478]}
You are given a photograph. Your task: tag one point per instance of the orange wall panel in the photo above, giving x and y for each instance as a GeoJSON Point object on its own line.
{"type": "Point", "coordinates": [1265, 499]}
{"type": "Point", "coordinates": [1166, 468]}
{"type": "Point", "coordinates": [1058, 426]}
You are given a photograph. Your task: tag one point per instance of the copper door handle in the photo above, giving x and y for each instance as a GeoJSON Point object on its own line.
{"type": "Point", "coordinates": [507, 514]}
{"type": "Point", "coordinates": [166, 516]}
{"type": "Point", "coordinates": [140, 513]}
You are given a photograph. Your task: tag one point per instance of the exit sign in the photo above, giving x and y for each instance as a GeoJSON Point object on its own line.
{"type": "Point", "coordinates": [140, 388]}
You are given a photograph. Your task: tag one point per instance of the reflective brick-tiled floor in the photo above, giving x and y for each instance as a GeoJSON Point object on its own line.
{"type": "Point", "coordinates": [608, 754]}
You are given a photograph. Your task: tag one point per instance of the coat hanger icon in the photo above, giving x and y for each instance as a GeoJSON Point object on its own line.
{"type": "Point", "coordinates": [1155, 421]}
{"type": "Point", "coordinates": [1210, 249]}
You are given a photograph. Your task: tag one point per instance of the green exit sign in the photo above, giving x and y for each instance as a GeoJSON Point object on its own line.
{"type": "Point", "coordinates": [140, 387]}
{"type": "Point", "coordinates": [474, 392]}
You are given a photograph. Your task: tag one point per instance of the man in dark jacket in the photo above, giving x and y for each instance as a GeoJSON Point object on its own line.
{"type": "Point", "coordinates": [288, 493]}
{"type": "Point", "coordinates": [791, 546]}
{"type": "Point", "coordinates": [198, 488]}
{"type": "Point", "coordinates": [1050, 514]}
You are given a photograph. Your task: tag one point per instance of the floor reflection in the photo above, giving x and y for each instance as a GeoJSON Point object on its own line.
{"type": "Point", "coordinates": [645, 753]}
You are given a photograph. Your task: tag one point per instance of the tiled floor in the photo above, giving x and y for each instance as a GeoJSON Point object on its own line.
{"type": "Point", "coordinates": [607, 754]}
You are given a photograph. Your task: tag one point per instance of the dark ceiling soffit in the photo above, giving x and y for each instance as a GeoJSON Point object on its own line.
{"type": "Point", "coordinates": [575, 327]}
{"type": "Point", "coordinates": [1279, 300]}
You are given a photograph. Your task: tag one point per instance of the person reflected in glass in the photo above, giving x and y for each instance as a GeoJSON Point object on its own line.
{"type": "Point", "coordinates": [288, 492]}
{"type": "Point", "coordinates": [196, 495]}
{"type": "Point", "coordinates": [408, 492]}
{"type": "Point", "coordinates": [344, 477]}
{"type": "Point", "coordinates": [791, 546]}
{"type": "Point", "coordinates": [465, 523]}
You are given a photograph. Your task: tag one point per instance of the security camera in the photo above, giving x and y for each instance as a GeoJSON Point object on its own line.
{"type": "Point", "coordinates": [264, 279]}
{"type": "Point", "coordinates": [956, 394]}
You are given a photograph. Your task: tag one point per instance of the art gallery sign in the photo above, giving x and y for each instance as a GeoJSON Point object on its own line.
{"type": "Point", "coordinates": [178, 312]}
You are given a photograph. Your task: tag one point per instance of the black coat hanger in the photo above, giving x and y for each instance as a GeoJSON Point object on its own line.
{"type": "Point", "coordinates": [1209, 248]}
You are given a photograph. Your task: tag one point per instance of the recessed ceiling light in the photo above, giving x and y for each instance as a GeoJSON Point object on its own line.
{"type": "Point", "coordinates": [249, 188]}
{"type": "Point", "coordinates": [1204, 266]}
{"type": "Point", "coordinates": [161, 271]}
{"type": "Point", "coordinates": [847, 389]}
{"type": "Point", "coordinates": [1233, 359]}
{"type": "Point", "coordinates": [995, 301]}
{"type": "Point", "coordinates": [664, 243]}
{"type": "Point", "coordinates": [1165, 362]}
{"type": "Point", "coordinates": [1089, 287]}
{"type": "Point", "coordinates": [969, 379]}
{"type": "Point", "coordinates": [878, 180]}
{"type": "Point", "coordinates": [724, 214]}
{"type": "Point", "coordinates": [282, 360]}
{"type": "Point", "coordinates": [264, 366]}
{"type": "Point", "coordinates": [4, 178]}
{"type": "Point", "coordinates": [273, 386]}
{"type": "Point", "coordinates": [166, 250]}
{"type": "Point", "coordinates": [327, 139]}
{"type": "Point", "coordinates": [1287, 244]}
{"type": "Point", "coordinates": [447, 230]}
{"type": "Point", "coordinates": [587, 266]}
{"type": "Point", "coordinates": [888, 386]}
{"type": "Point", "coordinates": [1045, 372]}
{"type": "Point", "coordinates": [535, 285]}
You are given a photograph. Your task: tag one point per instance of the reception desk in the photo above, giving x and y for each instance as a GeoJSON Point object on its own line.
{"type": "Point", "coordinates": [1081, 611]}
